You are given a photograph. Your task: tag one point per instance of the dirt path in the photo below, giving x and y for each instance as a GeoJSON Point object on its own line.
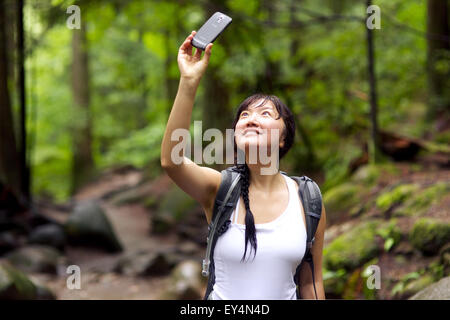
{"type": "Point", "coordinates": [98, 281]}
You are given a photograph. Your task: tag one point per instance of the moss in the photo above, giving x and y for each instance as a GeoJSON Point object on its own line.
{"type": "Point", "coordinates": [176, 203]}
{"type": "Point", "coordinates": [353, 248]}
{"type": "Point", "coordinates": [397, 195]}
{"type": "Point", "coordinates": [14, 284]}
{"type": "Point", "coordinates": [391, 234]}
{"type": "Point", "coordinates": [429, 235]}
{"type": "Point", "coordinates": [415, 285]}
{"type": "Point", "coordinates": [341, 198]}
{"type": "Point", "coordinates": [334, 282]}
{"type": "Point", "coordinates": [367, 175]}
{"type": "Point", "coordinates": [419, 202]}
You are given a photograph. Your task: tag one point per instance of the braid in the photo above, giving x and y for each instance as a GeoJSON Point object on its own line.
{"type": "Point", "coordinates": [250, 231]}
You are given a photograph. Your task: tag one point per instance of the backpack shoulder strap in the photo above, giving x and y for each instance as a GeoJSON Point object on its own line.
{"type": "Point", "coordinates": [311, 198]}
{"type": "Point", "coordinates": [226, 199]}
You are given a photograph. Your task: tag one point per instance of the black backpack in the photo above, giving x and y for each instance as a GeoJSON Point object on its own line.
{"type": "Point", "coordinates": [226, 199]}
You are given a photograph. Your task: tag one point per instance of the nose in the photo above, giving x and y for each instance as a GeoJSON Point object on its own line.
{"type": "Point", "coordinates": [251, 120]}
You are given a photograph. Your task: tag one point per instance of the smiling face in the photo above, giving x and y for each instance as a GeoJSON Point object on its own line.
{"type": "Point", "coordinates": [257, 124]}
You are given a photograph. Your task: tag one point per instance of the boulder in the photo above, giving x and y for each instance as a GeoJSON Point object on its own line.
{"type": "Point", "coordinates": [49, 234]}
{"type": "Point", "coordinates": [429, 235]}
{"type": "Point", "coordinates": [35, 258]}
{"type": "Point", "coordinates": [186, 282]}
{"type": "Point", "coordinates": [15, 285]}
{"type": "Point", "coordinates": [88, 225]}
{"type": "Point", "coordinates": [144, 263]}
{"type": "Point", "coordinates": [353, 248]}
{"type": "Point", "coordinates": [340, 200]}
{"type": "Point", "coordinates": [437, 291]}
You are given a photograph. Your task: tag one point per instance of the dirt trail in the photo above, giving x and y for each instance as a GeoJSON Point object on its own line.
{"type": "Point", "coordinates": [132, 226]}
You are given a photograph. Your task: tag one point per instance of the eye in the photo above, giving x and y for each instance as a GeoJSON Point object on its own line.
{"type": "Point", "coordinates": [243, 113]}
{"type": "Point", "coordinates": [267, 112]}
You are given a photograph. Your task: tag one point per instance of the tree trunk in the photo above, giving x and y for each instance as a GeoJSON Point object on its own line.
{"type": "Point", "coordinates": [438, 50]}
{"type": "Point", "coordinates": [374, 139]}
{"type": "Point", "coordinates": [10, 173]}
{"type": "Point", "coordinates": [24, 164]}
{"type": "Point", "coordinates": [82, 163]}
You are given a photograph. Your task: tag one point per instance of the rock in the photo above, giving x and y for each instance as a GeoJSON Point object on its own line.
{"type": "Point", "coordinates": [89, 226]}
{"type": "Point", "coordinates": [436, 291]}
{"type": "Point", "coordinates": [416, 285]}
{"type": "Point", "coordinates": [173, 207]}
{"type": "Point", "coordinates": [367, 174]}
{"type": "Point", "coordinates": [418, 203]}
{"type": "Point", "coordinates": [352, 248]}
{"type": "Point", "coordinates": [429, 235]}
{"type": "Point", "coordinates": [8, 242]}
{"type": "Point", "coordinates": [396, 196]}
{"type": "Point", "coordinates": [404, 248]}
{"type": "Point", "coordinates": [340, 200]}
{"type": "Point", "coordinates": [15, 285]}
{"type": "Point", "coordinates": [44, 293]}
{"type": "Point", "coordinates": [144, 263]}
{"type": "Point", "coordinates": [186, 282]}
{"type": "Point", "coordinates": [49, 234]}
{"type": "Point", "coordinates": [35, 258]}
{"type": "Point", "coordinates": [444, 258]}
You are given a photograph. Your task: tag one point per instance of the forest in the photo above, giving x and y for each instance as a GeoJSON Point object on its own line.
{"type": "Point", "coordinates": [86, 89]}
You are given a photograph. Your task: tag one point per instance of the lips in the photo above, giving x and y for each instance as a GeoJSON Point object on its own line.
{"type": "Point", "coordinates": [251, 130]}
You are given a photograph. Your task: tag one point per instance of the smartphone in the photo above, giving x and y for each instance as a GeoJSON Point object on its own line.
{"type": "Point", "coordinates": [210, 30]}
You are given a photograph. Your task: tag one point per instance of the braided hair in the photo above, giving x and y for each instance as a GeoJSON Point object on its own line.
{"type": "Point", "coordinates": [250, 230]}
{"type": "Point", "coordinates": [288, 134]}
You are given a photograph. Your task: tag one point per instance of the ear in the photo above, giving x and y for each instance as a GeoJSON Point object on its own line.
{"type": "Point", "coordinates": [283, 136]}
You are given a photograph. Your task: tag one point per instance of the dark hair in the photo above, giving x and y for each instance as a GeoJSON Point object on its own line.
{"type": "Point", "coordinates": [288, 135]}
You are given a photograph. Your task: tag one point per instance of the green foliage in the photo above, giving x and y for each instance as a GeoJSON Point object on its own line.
{"type": "Point", "coordinates": [321, 68]}
{"type": "Point", "coordinates": [390, 233]}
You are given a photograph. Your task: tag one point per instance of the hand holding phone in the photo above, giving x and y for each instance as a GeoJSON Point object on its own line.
{"type": "Point", "coordinates": [192, 66]}
{"type": "Point", "coordinates": [212, 28]}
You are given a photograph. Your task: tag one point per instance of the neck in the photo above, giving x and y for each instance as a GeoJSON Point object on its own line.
{"type": "Point", "coordinates": [261, 181]}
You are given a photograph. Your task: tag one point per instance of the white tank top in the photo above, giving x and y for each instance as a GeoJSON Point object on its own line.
{"type": "Point", "coordinates": [281, 247]}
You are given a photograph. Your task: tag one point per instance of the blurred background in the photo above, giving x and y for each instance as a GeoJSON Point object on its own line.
{"type": "Point", "coordinates": [83, 111]}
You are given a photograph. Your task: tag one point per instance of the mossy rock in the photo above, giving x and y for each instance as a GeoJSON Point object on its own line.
{"type": "Point", "coordinates": [429, 235]}
{"type": "Point", "coordinates": [391, 234]}
{"type": "Point", "coordinates": [334, 283]}
{"type": "Point", "coordinates": [176, 203]}
{"type": "Point", "coordinates": [341, 199]}
{"type": "Point", "coordinates": [173, 208]}
{"type": "Point", "coordinates": [353, 248]}
{"type": "Point", "coordinates": [414, 285]}
{"type": "Point", "coordinates": [396, 196]}
{"type": "Point", "coordinates": [367, 175]}
{"type": "Point", "coordinates": [15, 285]}
{"type": "Point", "coordinates": [419, 202]}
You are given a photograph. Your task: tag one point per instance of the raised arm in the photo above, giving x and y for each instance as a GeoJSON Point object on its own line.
{"type": "Point", "coordinates": [201, 183]}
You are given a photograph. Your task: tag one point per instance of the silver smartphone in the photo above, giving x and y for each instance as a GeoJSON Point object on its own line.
{"type": "Point", "coordinates": [210, 30]}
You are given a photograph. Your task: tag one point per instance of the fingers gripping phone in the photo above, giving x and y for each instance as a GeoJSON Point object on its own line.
{"type": "Point", "coordinates": [210, 30]}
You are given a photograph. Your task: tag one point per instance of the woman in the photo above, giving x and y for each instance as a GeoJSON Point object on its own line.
{"type": "Point", "coordinates": [269, 214]}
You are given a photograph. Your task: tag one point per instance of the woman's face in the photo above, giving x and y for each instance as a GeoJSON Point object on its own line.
{"type": "Point", "coordinates": [257, 124]}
